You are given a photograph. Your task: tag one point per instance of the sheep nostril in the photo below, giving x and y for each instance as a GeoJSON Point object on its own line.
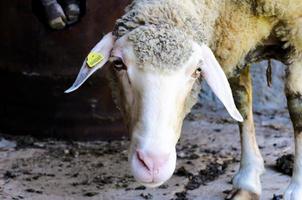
{"type": "Point", "coordinates": [141, 160]}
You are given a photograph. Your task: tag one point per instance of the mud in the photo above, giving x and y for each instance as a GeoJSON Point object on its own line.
{"type": "Point", "coordinates": [284, 164]}
{"type": "Point", "coordinates": [277, 197]}
{"type": "Point", "coordinates": [212, 171]}
{"type": "Point", "coordinates": [208, 156]}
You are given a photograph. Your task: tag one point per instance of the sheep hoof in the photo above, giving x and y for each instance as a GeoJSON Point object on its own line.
{"type": "Point", "coordinates": [56, 16]}
{"type": "Point", "coordinates": [240, 194]}
{"type": "Point", "coordinates": [72, 12]}
{"type": "Point", "coordinates": [57, 23]}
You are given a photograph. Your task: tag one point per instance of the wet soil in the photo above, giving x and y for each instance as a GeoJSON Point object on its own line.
{"type": "Point", "coordinates": [208, 157]}
{"type": "Point", "coordinates": [284, 164]}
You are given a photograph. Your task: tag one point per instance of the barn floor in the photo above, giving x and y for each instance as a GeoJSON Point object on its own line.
{"type": "Point", "coordinates": [208, 156]}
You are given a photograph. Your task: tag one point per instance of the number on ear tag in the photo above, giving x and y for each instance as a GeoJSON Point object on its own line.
{"type": "Point", "coordinates": [94, 58]}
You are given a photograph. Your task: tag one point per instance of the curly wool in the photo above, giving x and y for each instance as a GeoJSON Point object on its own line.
{"type": "Point", "coordinates": [172, 24]}
{"type": "Point", "coordinates": [160, 47]}
{"type": "Point", "coordinates": [288, 13]}
{"type": "Point", "coordinates": [178, 14]}
{"type": "Point", "coordinates": [282, 9]}
{"type": "Point", "coordinates": [198, 19]}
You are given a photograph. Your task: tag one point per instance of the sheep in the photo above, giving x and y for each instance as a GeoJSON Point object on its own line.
{"type": "Point", "coordinates": [56, 16]}
{"type": "Point", "coordinates": [163, 49]}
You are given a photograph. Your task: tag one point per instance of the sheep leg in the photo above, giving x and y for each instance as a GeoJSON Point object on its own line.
{"type": "Point", "coordinates": [294, 102]}
{"type": "Point", "coordinates": [54, 13]}
{"type": "Point", "coordinates": [72, 10]}
{"type": "Point", "coordinates": [246, 182]}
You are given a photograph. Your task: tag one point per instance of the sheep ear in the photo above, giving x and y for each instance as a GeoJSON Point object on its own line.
{"type": "Point", "coordinates": [95, 60]}
{"type": "Point", "coordinates": [217, 80]}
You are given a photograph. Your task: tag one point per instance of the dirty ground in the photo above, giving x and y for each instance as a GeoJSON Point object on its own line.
{"type": "Point", "coordinates": [208, 157]}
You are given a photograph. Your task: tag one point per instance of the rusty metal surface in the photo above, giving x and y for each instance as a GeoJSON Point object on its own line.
{"type": "Point", "coordinates": [38, 64]}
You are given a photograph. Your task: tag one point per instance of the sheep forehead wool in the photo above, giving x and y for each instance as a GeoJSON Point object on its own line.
{"type": "Point", "coordinates": [182, 14]}
{"type": "Point", "coordinates": [160, 47]}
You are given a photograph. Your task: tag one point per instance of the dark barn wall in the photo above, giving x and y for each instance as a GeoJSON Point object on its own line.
{"type": "Point", "coordinates": [38, 64]}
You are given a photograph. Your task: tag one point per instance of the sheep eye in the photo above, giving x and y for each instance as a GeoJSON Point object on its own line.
{"type": "Point", "coordinates": [197, 73]}
{"type": "Point", "coordinates": [118, 64]}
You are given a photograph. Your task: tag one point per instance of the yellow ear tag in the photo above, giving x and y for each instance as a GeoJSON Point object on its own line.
{"type": "Point", "coordinates": [94, 58]}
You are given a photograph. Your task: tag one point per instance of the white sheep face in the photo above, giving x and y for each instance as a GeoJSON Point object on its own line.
{"type": "Point", "coordinates": [153, 101]}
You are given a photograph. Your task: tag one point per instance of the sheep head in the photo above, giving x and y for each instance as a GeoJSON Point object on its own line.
{"type": "Point", "coordinates": [156, 75]}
